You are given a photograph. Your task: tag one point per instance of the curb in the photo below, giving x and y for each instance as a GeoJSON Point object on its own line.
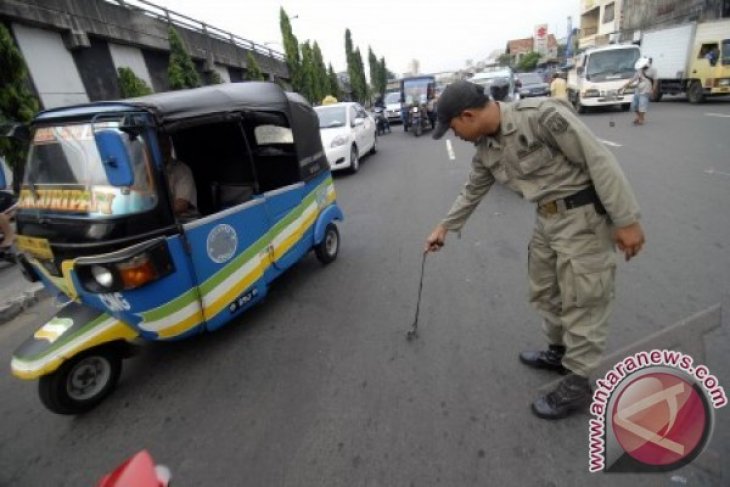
{"type": "Point", "coordinates": [14, 306]}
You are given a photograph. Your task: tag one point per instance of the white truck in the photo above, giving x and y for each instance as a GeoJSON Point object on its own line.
{"type": "Point", "coordinates": [596, 78]}
{"type": "Point", "coordinates": [690, 58]}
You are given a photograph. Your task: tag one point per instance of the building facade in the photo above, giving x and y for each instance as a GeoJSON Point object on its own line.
{"type": "Point", "coordinates": [600, 22]}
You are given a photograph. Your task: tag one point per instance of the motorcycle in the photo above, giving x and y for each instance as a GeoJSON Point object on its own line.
{"type": "Point", "coordinates": [418, 119]}
{"type": "Point", "coordinates": [381, 121]}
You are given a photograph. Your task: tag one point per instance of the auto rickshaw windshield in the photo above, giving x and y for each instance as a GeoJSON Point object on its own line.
{"type": "Point", "coordinates": [65, 174]}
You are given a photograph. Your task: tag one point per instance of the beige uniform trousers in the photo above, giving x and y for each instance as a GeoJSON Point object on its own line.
{"type": "Point", "coordinates": [571, 268]}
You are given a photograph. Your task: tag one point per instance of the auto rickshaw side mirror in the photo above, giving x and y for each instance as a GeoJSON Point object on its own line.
{"type": "Point", "coordinates": [357, 122]}
{"type": "Point", "coordinates": [114, 158]}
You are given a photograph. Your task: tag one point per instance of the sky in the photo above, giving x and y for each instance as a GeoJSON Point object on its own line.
{"type": "Point", "coordinates": [441, 35]}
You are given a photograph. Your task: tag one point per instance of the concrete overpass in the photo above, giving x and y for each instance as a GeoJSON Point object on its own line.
{"type": "Point", "coordinates": [74, 47]}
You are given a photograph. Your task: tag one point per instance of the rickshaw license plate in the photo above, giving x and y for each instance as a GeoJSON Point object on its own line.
{"type": "Point", "coordinates": [37, 247]}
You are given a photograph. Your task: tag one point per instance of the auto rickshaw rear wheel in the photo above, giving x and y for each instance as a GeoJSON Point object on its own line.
{"type": "Point", "coordinates": [326, 251]}
{"type": "Point", "coordinates": [82, 382]}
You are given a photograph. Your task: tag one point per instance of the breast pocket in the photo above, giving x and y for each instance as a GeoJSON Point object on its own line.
{"type": "Point", "coordinates": [498, 170]}
{"type": "Point", "coordinates": [529, 163]}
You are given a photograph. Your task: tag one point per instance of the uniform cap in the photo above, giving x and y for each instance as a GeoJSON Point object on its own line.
{"type": "Point", "coordinates": [457, 97]}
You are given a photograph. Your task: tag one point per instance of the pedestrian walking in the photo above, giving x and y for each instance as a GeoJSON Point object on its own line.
{"type": "Point", "coordinates": [644, 83]}
{"type": "Point", "coordinates": [585, 206]}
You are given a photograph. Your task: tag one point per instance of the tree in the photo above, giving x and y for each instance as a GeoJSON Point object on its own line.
{"type": "Point", "coordinates": [374, 67]}
{"type": "Point", "coordinates": [307, 72]}
{"type": "Point", "coordinates": [181, 72]}
{"type": "Point", "coordinates": [214, 78]}
{"type": "Point", "coordinates": [353, 68]}
{"type": "Point", "coordinates": [321, 82]}
{"type": "Point", "coordinates": [382, 76]}
{"type": "Point", "coordinates": [363, 93]}
{"type": "Point", "coordinates": [334, 84]}
{"type": "Point", "coordinates": [291, 50]}
{"type": "Point", "coordinates": [130, 85]}
{"type": "Point", "coordinates": [17, 102]}
{"type": "Point", "coordinates": [528, 61]}
{"type": "Point", "coordinates": [253, 71]}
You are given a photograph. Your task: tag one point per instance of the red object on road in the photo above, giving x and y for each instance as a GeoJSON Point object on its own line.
{"type": "Point", "coordinates": [138, 471]}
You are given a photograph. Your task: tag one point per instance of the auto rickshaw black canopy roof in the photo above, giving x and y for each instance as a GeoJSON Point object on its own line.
{"type": "Point", "coordinates": [174, 108]}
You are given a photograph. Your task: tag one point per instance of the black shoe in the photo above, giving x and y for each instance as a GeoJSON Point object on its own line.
{"type": "Point", "coordinates": [549, 359]}
{"type": "Point", "coordinates": [572, 394]}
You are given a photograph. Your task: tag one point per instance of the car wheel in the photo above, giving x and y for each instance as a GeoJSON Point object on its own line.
{"type": "Point", "coordinates": [82, 382]}
{"type": "Point", "coordinates": [625, 107]}
{"type": "Point", "coordinates": [374, 148]}
{"type": "Point", "coordinates": [354, 160]}
{"type": "Point", "coordinates": [695, 94]}
{"type": "Point", "coordinates": [327, 250]}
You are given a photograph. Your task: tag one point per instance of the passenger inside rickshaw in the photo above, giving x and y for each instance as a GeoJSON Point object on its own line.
{"type": "Point", "coordinates": [233, 161]}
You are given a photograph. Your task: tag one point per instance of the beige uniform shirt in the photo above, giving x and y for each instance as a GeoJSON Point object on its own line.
{"type": "Point", "coordinates": [544, 152]}
{"type": "Point", "coordinates": [182, 184]}
{"type": "Point", "coordinates": [559, 88]}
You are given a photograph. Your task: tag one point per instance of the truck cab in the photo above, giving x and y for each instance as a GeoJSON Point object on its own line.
{"type": "Point", "coordinates": [597, 76]}
{"type": "Point", "coordinates": [709, 67]}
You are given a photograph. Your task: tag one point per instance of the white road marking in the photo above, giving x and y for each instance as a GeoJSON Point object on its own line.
{"type": "Point", "coordinates": [612, 144]}
{"type": "Point", "coordinates": [450, 150]}
{"type": "Point", "coordinates": [720, 115]}
{"type": "Point", "coordinates": [713, 171]}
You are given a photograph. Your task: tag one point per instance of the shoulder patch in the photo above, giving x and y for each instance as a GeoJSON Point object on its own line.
{"type": "Point", "coordinates": [554, 121]}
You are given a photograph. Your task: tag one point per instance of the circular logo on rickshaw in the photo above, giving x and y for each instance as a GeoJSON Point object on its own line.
{"type": "Point", "coordinates": [222, 243]}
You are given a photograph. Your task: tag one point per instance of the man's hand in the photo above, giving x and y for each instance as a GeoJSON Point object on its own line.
{"type": "Point", "coordinates": [629, 239]}
{"type": "Point", "coordinates": [436, 240]}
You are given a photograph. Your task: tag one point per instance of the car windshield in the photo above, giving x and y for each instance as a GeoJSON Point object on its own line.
{"type": "Point", "coordinates": [726, 51]}
{"type": "Point", "coordinates": [330, 117]}
{"type": "Point", "coordinates": [530, 78]}
{"type": "Point", "coordinates": [392, 98]}
{"type": "Point", "coordinates": [613, 64]}
{"type": "Point", "coordinates": [64, 173]}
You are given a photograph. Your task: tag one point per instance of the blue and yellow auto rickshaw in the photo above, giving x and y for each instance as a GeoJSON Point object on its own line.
{"type": "Point", "coordinates": [95, 223]}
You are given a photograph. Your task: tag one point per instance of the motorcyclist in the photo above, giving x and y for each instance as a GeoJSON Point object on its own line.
{"type": "Point", "coordinates": [499, 90]}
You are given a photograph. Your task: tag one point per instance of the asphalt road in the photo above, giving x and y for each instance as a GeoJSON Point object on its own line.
{"type": "Point", "coordinates": [318, 386]}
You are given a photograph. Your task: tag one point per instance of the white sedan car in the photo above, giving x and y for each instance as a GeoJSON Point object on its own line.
{"type": "Point", "coordinates": [347, 132]}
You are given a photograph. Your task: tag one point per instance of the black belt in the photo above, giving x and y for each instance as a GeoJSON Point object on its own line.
{"type": "Point", "coordinates": [583, 197]}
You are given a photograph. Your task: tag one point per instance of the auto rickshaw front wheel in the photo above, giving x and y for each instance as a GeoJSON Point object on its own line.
{"type": "Point", "coordinates": [326, 251]}
{"type": "Point", "coordinates": [82, 382]}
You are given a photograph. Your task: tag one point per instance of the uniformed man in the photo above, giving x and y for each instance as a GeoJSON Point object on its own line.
{"type": "Point", "coordinates": [541, 150]}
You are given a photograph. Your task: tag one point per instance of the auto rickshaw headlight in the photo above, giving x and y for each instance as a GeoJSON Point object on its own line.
{"type": "Point", "coordinates": [103, 276]}
{"type": "Point", "coordinates": [138, 271]}
{"type": "Point", "coordinates": [126, 269]}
